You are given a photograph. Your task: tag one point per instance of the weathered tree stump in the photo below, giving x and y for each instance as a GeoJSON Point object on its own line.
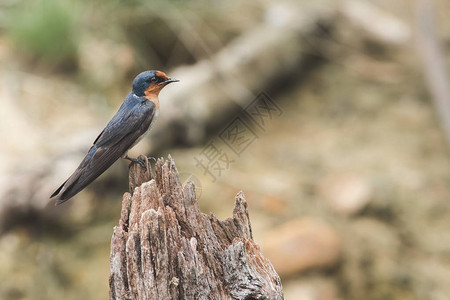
{"type": "Point", "coordinates": [165, 248]}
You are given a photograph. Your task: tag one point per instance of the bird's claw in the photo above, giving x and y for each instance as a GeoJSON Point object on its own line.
{"type": "Point", "coordinates": [138, 160]}
{"type": "Point", "coordinates": [152, 158]}
{"type": "Point", "coordinates": [141, 162]}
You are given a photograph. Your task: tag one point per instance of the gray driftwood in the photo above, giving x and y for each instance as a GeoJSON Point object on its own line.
{"type": "Point", "coordinates": [165, 248]}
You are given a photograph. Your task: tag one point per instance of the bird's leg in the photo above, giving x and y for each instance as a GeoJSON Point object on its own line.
{"type": "Point", "coordinates": [138, 160]}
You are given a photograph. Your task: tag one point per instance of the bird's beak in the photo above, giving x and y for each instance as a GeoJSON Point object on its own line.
{"type": "Point", "coordinates": [169, 80]}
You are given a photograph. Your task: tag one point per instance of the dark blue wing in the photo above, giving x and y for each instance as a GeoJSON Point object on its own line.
{"type": "Point", "coordinates": [127, 119]}
{"type": "Point", "coordinates": [129, 123]}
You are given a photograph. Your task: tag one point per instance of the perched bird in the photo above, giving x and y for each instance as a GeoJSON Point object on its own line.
{"type": "Point", "coordinates": [134, 118]}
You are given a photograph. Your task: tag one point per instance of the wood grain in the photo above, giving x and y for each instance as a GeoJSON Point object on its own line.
{"type": "Point", "coordinates": [166, 248]}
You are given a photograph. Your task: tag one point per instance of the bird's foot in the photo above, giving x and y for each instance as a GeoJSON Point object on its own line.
{"type": "Point", "coordinates": [152, 158]}
{"type": "Point", "coordinates": [138, 160]}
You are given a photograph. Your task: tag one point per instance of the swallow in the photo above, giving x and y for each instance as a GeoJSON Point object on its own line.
{"type": "Point", "coordinates": [134, 118]}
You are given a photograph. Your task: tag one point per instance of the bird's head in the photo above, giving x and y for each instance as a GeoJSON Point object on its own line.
{"type": "Point", "coordinates": [150, 83]}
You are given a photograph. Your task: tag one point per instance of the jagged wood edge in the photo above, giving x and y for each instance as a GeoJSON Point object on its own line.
{"type": "Point", "coordinates": [163, 208]}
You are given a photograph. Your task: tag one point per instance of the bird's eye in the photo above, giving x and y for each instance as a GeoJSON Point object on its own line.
{"type": "Point", "coordinates": [154, 79]}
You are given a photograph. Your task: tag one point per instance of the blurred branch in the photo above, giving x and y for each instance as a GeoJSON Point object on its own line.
{"type": "Point", "coordinates": [434, 62]}
{"type": "Point", "coordinates": [166, 248]}
{"type": "Point", "coordinates": [269, 57]}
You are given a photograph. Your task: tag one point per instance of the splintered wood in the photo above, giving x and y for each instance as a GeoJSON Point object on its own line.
{"type": "Point", "coordinates": [165, 248]}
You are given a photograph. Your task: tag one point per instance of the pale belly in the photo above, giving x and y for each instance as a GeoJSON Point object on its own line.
{"type": "Point", "coordinates": [155, 117]}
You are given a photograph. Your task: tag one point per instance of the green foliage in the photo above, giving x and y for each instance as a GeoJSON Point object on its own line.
{"type": "Point", "coordinates": [45, 30]}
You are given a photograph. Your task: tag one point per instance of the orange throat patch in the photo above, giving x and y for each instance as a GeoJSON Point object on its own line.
{"type": "Point", "coordinates": [152, 93]}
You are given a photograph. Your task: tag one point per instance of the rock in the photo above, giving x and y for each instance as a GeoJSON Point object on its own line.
{"type": "Point", "coordinates": [346, 193]}
{"type": "Point", "coordinates": [373, 257]}
{"type": "Point", "coordinates": [302, 244]}
{"type": "Point", "coordinates": [310, 288]}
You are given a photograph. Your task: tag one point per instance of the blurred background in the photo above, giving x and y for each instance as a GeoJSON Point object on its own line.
{"type": "Point", "coordinates": [342, 150]}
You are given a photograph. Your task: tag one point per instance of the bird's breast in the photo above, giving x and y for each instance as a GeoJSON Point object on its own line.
{"type": "Point", "coordinates": [155, 117]}
{"type": "Point", "coordinates": [154, 99]}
